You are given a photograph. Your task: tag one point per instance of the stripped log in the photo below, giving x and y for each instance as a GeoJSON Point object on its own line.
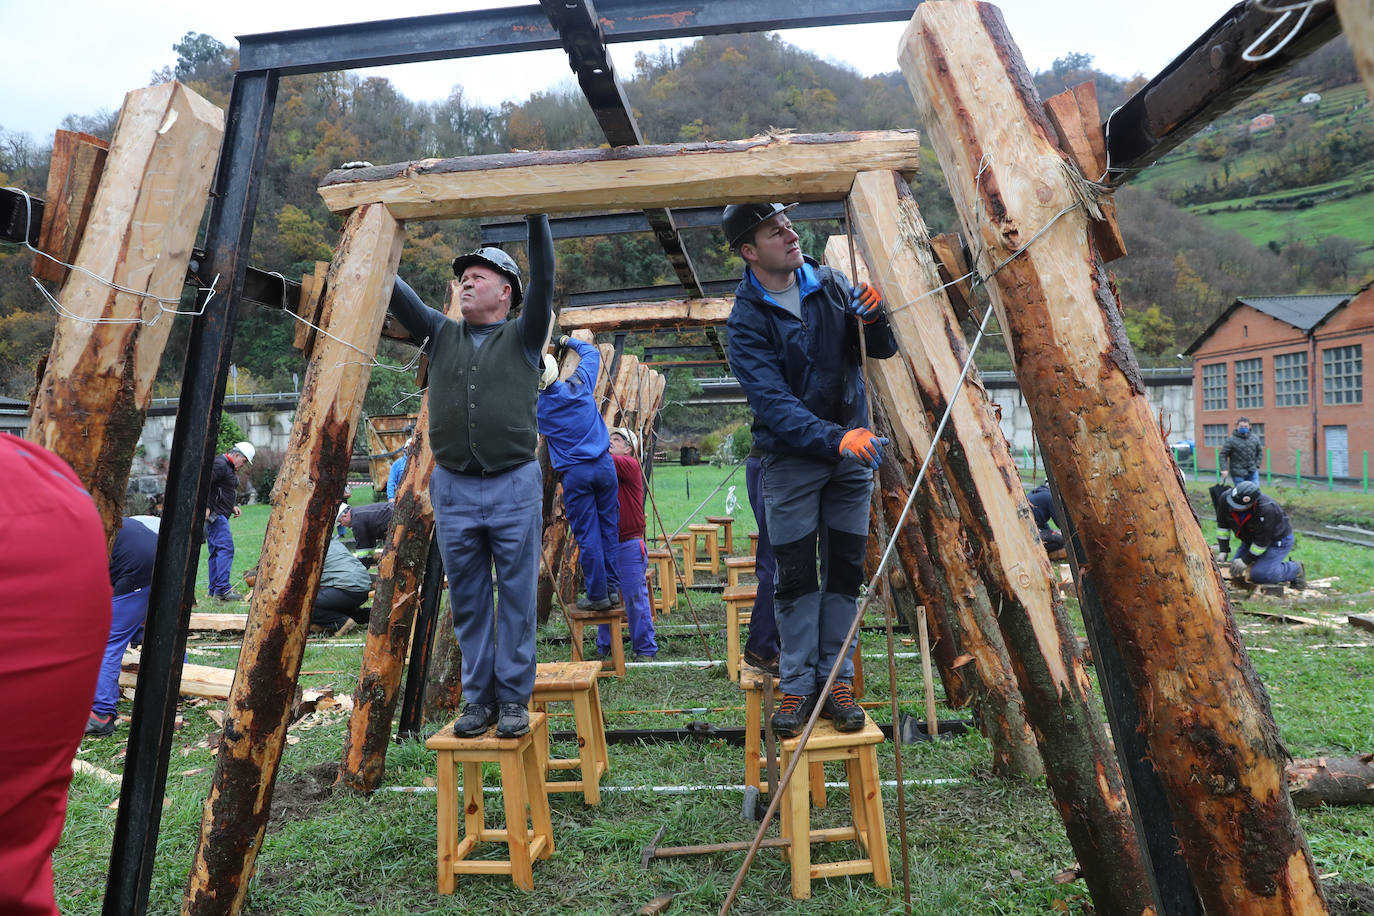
{"type": "Point", "coordinates": [78, 160]}
{"type": "Point", "coordinates": [1357, 21]}
{"type": "Point", "coordinates": [1083, 774]}
{"type": "Point", "coordinates": [308, 308]}
{"type": "Point", "coordinates": [791, 167]}
{"type": "Point", "coordinates": [304, 504]}
{"type": "Point", "coordinates": [204, 681]}
{"type": "Point", "coordinates": [400, 572]}
{"type": "Point", "coordinates": [1331, 781]}
{"type": "Point", "coordinates": [648, 316]}
{"type": "Point", "coordinates": [98, 380]}
{"type": "Point", "coordinates": [1212, 739]}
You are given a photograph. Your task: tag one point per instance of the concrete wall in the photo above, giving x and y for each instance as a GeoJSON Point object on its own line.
{"type": "Point", "coordinates": [264, 428]}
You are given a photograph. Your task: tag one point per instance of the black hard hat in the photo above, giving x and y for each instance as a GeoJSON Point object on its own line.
{"type": "Point", "coordinates": [1243, 495]}
{"type": "Point", "coordinates": [738, 219]}
{"type": "Point", "coordinates": [497, 260]}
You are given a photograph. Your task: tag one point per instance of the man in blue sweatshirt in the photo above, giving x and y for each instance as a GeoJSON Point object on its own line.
{"type": "Point", "coordinates": [579, 450]}
{"type": "Point", "coordinates": [487, 489]}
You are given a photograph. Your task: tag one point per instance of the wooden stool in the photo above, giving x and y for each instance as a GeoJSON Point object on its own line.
{"type": "Point", "coordinates": [575, 683]}
{"type": "Point", "coordinates": [753, 680]}
{"type": "Point", "coordinates": [736, 600]}
{"type": "Point", "coordinates": [737, 566]}
{"type": "Point", "coordinates": [753, 543]}
{"type": "Point", "coordinates": [613, 617]}
{"type": "Point", "coordinates": [687, 541]}
{"type": "Point", "coordinates": [522, 786]}
{"type": "Point", "coordinates": [708, 534]}
{"type": "Point", "coordinates": [858, 750]}
{"type": "Point", "coordinates": [726, 524]}
{"type": "Point", "coordinates": [662, 560]}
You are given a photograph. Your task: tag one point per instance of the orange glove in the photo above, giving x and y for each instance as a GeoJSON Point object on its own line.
{"type": "Point", "coordinates": [864, 447]}
{"type": "Point", "coordinates": [866, 302]}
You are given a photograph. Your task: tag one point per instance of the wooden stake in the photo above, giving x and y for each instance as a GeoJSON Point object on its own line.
{"type": "Point", "coordinates": [648, 316]}
{"type": "Point", "coordinates": [305, 501]}
{"type": "Point", "coordinates": [1357, 20]}
{"type": "Point", "coordinates": [73, 176]}
{"type": "Point", "coordinates": [927, 676]}
{"type": "Point", "coordinates": [1212, 739]}
{"type": "Point", "coordinates": [98, 380]}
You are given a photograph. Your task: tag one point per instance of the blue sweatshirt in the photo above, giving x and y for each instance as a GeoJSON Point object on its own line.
{"type": "Point", "coordinates": [568, 416]}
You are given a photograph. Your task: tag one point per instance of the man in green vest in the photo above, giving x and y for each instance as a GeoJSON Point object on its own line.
{"type": "Point", "coordinates": [487, 488]}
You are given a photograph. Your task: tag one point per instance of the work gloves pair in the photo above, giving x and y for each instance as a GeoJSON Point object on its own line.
{"type": "Point", "coordinates": [865, 302]}
{"type": "Point", "coordinates": [864, 447]}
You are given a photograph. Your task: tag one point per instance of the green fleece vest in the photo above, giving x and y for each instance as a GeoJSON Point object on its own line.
{"type": "Point", "coordinates": [482, 401]}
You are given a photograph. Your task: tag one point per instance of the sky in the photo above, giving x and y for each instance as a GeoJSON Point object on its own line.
{"type": "Point", "coordinates": [79, 56]}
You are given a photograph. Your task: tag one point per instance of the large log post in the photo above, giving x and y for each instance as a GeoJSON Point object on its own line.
{"type": "Point", "coordinates": [1357, 20]}
{"type": "Point", "coordinates": [1212, 738]}
{"type": "Point", "coordinates": [304, 504]}
{"type": "Point", "coordinates": [1080, 768]}
{"type": "Point", "coordinates": [399, 574]}
{"type": "Point", "coordinates": [98, 380]}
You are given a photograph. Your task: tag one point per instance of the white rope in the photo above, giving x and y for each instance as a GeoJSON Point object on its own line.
{"type": "Point", "coordinates": [1303, 9]}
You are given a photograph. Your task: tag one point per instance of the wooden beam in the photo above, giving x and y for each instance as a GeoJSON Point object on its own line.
{"type": "Point", "coordinates": [98, 380]}
{"type": "Point", "coordinates": [218, 623]}
{"type": "Point", "coordinates": [1357, 19]}
{"type": "Point", "coordinates": [73, 176]}
{"type": "Point", "coordinates": [309, 307]}
{"type": "Point", "coordinates": [950, 257]}
{"type": "Point", "coordinates": [648, 316]}
{"type": "Point", "coordinates": [1083, 775]}
{"type": "Point", "coordinates": [204, 681]}
{"type": "Point", "coordinates": [780, 167]}
{"type": "Point", "coordinates": [1212, 739]}
{"type": "Point", "coordinates": [304, 504]}
{"type": "Point", "coordinates": [1078, 125]}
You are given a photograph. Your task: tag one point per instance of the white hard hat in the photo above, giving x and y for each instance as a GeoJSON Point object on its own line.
{"type": "Point", "coordinates": [550, 373]}
{"type": "Point", "coordinates": [628, 435]}
{"type": "Point", "coordinates": [246, 450]}
{"type": "Point", "coordinates": [342, 509]}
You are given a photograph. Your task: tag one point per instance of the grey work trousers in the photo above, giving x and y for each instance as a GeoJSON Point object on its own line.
{"type": "Point", "coordinates": [484, 522]}
{"type": "Point", "coordinates": [815, 508]}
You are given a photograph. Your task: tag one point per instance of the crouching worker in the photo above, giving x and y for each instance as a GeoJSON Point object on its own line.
{"type": "Point", "coordinates": [344, 587]}
{"type": "Point", "coordinates": [794, 346]}
{"type": "Point", "coordinates": [1042, 508]}
{"type": "Point", "coordinates": [486, 488]}
{"type": "Point", "coordinates": [1259, 521]}
{"type": "Point", "coordinates": [578, 450]}
{"type": "Point", "coordinates": [630, 558]}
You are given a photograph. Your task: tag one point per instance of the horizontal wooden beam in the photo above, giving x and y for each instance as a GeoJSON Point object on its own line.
{"type": "Point", "coordinates": [647, 316]}
{"type": "Point", "coordinates": [785, 167]}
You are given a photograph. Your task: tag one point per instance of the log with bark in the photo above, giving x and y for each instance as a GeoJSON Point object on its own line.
{"type": "Point", "coordinates": [1331, 781]}
{"type": "Point", "coordinates": [1212, 738]}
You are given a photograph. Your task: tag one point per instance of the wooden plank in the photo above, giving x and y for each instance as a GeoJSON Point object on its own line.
{"type": "Point", "coordinates": [1078, 124]}
{"type": "Point", "coordinates": [304, 504]}
{"type": "Point", "coordinates": [99, 376]}
{"type": "Point", "coordinates": [776, 167]}
{"type": "Point", "coordinates": [218, 623]}
{"type": "Point", "coordinates": [949, 256]}
{"type": "Point", "coordinates": [205, 681]}
{"type": "Point", "coordinates": [648, 316]}
{"type": "Point", "coordinates": [1280, 616]}
{"type": "Point", "coordinates": [309, 306]}
{"type": "Point", "coordinates": [1357, 20]}
{"type": "Point", "coordinates": [1212, 739]}
{"type": "Point", "coordinates": [73, 175]}
{"type": "Point", "coordinates": [1362, 621]}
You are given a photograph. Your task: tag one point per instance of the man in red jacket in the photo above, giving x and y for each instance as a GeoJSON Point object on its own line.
{"type": "Point", "coordinates": [630, 558]}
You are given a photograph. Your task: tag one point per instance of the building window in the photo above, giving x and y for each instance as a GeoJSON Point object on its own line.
{"type": "Point", "coordinates": [1214, 387]}
{"type": "Point", "coordinates": [1257, 430]}
{"type": "Point", "coordinates": [1214, 434]}
{"type": "Point", "coordinates": [1343, 375]}
{"type": "Point", "coordinates": [1249, 383]}
{"type": "Point", "coordinates": [1290, 380]}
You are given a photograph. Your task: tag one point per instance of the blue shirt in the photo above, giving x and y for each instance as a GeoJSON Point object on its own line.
{"type": "Point", "coordinates": [568, 416]}
{"type": "Point", "coordinates": [393, 478]}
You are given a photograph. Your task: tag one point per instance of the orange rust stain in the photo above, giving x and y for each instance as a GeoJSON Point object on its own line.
{"type": "Point", "coordinates": [677, 19]}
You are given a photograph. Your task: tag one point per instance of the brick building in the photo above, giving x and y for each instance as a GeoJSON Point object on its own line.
{"type": "Point", "coordinates": [1295, 366]}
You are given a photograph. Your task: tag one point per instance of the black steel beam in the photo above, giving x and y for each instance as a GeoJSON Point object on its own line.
{"type": "Point", "coordinates": [526, 28]}
{"type": "Point", "coordinates": [652, 353]}
{"type": "Point", "coordinates": [576, 227]}
{"type": "Point", "coordinates": [711, 288]}
{"type": "Point", "coordinates": [16, 216]}
{"type": "Point", "coordinates": [233, 202]}
{"type": "Point", "coordinates": [1206, 80]}
{"type": "Point", "coordinates": [422, 646]}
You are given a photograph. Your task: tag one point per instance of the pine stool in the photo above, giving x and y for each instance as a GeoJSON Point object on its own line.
{"type": "Point", "coordinates": [736, 600]}
{"type": "Point", "coordinates": [613, 617]}
{"type": "Point", "coordinates": [726, 524]}
{"type": "Point", "coordinates": [687, 541]}
{"type": "Point", "coordinates": [753, 543]}
{"type": "Point", "coordinates": [858, 750]}
{"type": "Point", "coordinates": [753, 680]}
{"type": "Point", "coordinates": [736, 567]}
{"type": "Point", "coordinates": [522, 786]}
{"type": "Point", "coordinates": [709, 535]}
{"type": "Point", "coordinates": [662, 559]}
{"type": "Point", "coordinates": [575, 683]}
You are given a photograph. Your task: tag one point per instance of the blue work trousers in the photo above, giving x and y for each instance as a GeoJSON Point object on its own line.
{"type": "Point", "coordinates": [630, 560]}
{"type": "Point", "coordinates": [220, 540]}
{"type": "Point", "coordinates": [486, 522]}
{"type": "Point", "coordinates": [593, 507]}
{"type": "Point", "coordinates": [815, 508]}
{"type": "Point", "coordinates": [127, 613]}
{"type": "Point", "coordinates": [1273, 565]}
{"type": "Point", "coordinates": [763, 626]}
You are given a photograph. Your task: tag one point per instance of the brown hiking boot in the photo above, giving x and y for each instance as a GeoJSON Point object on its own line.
{"type": "Point", "coordinates": [841, 709]}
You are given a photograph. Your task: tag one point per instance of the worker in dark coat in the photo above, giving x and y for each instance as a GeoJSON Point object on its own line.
{"type": "Point", "coordinates": [131, 574]}
{"type": "Point", "coordinates": [224, 503]}
{"type": "Point", "coordinates": [345, 585]}
{"type": "Point", "coordinates": [1042, 508]}
{"type": "Point", "coordinates": [370, 522]}
{"type": "Point", "coordinates": [1242, 454]}
{"type": "Point", "coordinates": [1259, 521]}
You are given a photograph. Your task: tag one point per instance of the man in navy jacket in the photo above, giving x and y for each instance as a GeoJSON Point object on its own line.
{"type": "Point", "coordinates": [794, 346]}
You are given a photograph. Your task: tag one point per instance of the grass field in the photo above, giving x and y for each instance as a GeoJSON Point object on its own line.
{"type": "Point", "coordinates": [979, 846]}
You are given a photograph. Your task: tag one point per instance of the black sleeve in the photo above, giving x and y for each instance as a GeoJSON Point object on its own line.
{"type": "Point", "coordinates": [537, 313]}
{"type": "Point", "coordinates": [420, 320]}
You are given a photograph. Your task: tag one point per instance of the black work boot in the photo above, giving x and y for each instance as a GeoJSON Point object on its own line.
{"type": "Point", "coordinates": [791, 716]}
{"type": "Point", "coordinates": [476, 719]}
{"type": "Point", "coordinates": [841, 709]}
{"type": "Point", "coordinates": [1300, 580]}
{"type": "Point", "coordinates": [100, 726]}
{"type": "Point", "coordinates": [514, 721]}
{"type": "Point", "coordinates": [588, 603]}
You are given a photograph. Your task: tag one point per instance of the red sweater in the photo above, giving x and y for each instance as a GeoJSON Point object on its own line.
{"type": "Point", "coordinates": [631, 480]}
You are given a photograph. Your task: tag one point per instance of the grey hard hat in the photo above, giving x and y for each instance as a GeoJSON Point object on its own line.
{"type": "Point", "coordinates": [739, 219]}
{"type": "Point", "coordinates": [1243, 495]}
{"type": "Point", "coordinates": [497, 260]}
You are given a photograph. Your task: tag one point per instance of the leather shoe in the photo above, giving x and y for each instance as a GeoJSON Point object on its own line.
{"type": "Point", "coordinates": [758, 661]}
{"type": "Point", "coordinates": [514, 721]}
{"type": "Point", "coordinates": [475, 720]}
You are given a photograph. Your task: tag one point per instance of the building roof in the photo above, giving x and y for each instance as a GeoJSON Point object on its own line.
{"type": "Point", "coordinates": [1301, 312]}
